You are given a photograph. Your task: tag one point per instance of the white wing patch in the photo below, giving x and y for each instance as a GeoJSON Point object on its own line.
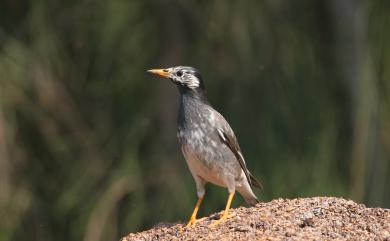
{"type": "Point", "coordinates": [241, 156]}
{"type": "Point", "coordinates": [220, 133]}
{"type": "Point", "coordinates": [191, 81]}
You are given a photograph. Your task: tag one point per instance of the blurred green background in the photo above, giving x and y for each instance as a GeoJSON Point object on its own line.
{"type": "Point", "coordinates": [88, 147]}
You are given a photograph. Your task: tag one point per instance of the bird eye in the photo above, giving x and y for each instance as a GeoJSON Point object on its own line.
{"type": "Point", "coordinates": [179, 73]}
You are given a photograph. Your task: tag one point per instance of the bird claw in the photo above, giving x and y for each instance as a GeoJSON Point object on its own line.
{"type": "Point", "coordinates": [223, 218]}
{"type": "Point", "coordinates": [193, 221]}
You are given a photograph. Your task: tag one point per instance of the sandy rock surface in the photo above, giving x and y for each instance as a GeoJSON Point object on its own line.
{"type": "Point", "coordinates": [318, 218]}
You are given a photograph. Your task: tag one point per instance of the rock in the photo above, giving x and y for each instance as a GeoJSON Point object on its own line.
{"type": "Point", "coordinates": [319, 218]}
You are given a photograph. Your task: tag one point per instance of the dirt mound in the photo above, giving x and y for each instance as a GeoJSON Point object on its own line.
{"type": "Point", "coordinates": [319, 218]}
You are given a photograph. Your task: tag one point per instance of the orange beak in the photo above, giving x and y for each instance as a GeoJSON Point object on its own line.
{"type": "Point", "coordinates": [160, 72]}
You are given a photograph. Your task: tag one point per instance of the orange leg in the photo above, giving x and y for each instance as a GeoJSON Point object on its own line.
{"type": "Point", "coordinates": [193, 216]}
{"type": "Point", "coordinates": [225, 214]}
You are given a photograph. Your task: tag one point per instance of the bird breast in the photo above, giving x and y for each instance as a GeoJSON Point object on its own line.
{"type": "Point", "coordinates": [200, 143]}
{"type": "Point", "coordinates": [205, 154]}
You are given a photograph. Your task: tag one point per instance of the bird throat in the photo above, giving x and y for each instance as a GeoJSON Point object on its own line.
{"type": "Point", "coordinates": [192, 102]}
{"type": "Point", "coordinates": [196, 94]}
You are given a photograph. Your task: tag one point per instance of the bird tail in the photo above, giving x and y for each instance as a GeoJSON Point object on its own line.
{"type": "Point", "coordinates": [252, 201]}
{"type": "Point", "coordinates": [255, 182]}
{"type": "Point", "coordinates": [247, 193]}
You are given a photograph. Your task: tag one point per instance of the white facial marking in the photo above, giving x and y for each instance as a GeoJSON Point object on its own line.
{"type": "Point", "coordinates": [190, 80]}
{"type": "Point", "coordinates": [186, 77]}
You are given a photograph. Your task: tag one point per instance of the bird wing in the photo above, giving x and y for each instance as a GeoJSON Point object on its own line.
{"type": "Point", "coordinates": [228, 138]}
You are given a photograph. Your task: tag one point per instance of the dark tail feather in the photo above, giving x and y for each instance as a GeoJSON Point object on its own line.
{"type": "Point", "coordinates": [255, 182]}
{"type": "Point", "coordinates": [247, 193]}
{"type": "Point", "coordinates": [252, 201]}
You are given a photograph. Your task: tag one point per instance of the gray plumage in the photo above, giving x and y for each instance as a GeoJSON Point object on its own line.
{"type": "Point", "coordinates": [201, 131]}
{"type": "Point", "coordinates": [206, 139]}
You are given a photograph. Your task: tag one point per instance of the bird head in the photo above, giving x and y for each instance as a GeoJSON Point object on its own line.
{"type": "Point", "coordinates": [183, 76]}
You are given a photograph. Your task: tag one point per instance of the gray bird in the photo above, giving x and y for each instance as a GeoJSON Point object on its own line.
{"type": "Point", "coordinates": [207, 141]}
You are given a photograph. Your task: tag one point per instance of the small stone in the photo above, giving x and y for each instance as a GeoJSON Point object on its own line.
{"type": "Point", "coordinates": [338, 223]}
{"type": "Point", "coordinates": [318, 211]}
{"type": "Point", "coordinates": [242, 228]}
{"type": "Point", "coordinates": [307, 222]}
{"type": "Point", "coordinates": [386, 234]}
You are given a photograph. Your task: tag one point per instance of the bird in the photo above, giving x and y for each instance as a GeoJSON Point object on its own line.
{"type": "Point", "coordinates": [207, 142]}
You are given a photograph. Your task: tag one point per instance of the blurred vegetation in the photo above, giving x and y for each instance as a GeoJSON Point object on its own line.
{"type": "Point", "coordinates": [88, 146]}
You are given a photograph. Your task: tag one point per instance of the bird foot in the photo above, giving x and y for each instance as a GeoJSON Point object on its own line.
{"type": "Point", "coordinates": [193, 221]}
{"type": "Point", "coordinates": [223, 218]}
